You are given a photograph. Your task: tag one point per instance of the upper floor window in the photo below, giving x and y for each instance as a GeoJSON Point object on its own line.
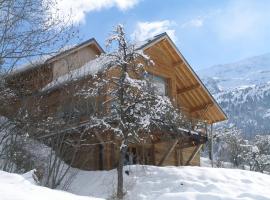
{"type": "Point", "coordinates": [160, 84]}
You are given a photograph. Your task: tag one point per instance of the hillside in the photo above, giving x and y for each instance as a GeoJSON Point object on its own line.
{"type": "Point", "coordinates": [248, 108]}
{"type": "Point", "coordinates": [169, 183]}
{"type": "Point", "coordinates": [247, 72]}
{"type": "Point", "coordinates": [243, 91]}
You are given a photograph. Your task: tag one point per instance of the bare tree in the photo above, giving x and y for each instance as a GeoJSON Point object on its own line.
{"type": "Point", "coordinates": [30, 28]}
{"type": "Point", "coordinates": [30, 31]}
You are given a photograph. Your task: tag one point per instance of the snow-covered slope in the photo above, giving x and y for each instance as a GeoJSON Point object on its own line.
{"type": "Point", "coordinates": [174, 183]}
{"type": "Point", "coordinates": [248, 108]}
{"type": "Point", "coordinates": [243, 91]}
{"type": "Point", "coordinates": [251, 71]}
{"type": "Point", "coordinates": [16, 187]}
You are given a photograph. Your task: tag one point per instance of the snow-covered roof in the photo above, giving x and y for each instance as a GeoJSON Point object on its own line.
{"type": "Point", "coordinates": [90, 68]}
{"type": "Point", "coordinates": [75, 48]}
{"type": "Point", "coordinates": [46, 59]}
{"type": "Point", "coordinates": [144, 43]}
{"type": "Point", "coordinates": [70, 49]}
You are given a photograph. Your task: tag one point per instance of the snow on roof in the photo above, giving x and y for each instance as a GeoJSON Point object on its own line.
{"type": "Point", "coordinates": [50, 57]}
{"type": "Point", "coordinates": [90, 68]}
{"type": "Point", "coordinates": [32, 64]}
{"type": "Point", "coordinates": [69, 48]}
{"type": "Point", "coordinates": [142, 44]}
{"type": "Point", "coordinates": [41, 60]}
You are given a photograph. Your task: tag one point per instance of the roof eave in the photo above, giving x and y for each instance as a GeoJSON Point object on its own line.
{"type": "Point", "coordinates": [166, 36]}
{"type": "Point", "coordinates": [75, 48]}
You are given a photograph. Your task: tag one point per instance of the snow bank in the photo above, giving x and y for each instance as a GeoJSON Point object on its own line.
{"type": "Point", "coordinates": [145, 183]}
{"type": "Point", "coordinates": [16, 187]}
{"type": "Point", "coordinates": [185, 183]}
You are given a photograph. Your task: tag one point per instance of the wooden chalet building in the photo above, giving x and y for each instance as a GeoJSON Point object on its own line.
{"type": "Point", "coordinates": [44, 89]}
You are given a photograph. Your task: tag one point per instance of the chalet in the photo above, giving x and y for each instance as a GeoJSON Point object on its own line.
{"type": "Point", "coordinates": [46, 88]}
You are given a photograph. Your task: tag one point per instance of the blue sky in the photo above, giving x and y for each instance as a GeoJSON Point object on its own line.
{"type": "Point", "coordinates": [207, 32]}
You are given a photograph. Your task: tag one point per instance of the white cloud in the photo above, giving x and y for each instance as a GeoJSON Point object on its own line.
{"type": "Point", "coordinates": [198, 22]}
{"type": "Point", "coordinates": [77, 9]}
{"type": "Point", "coordinates": [146, 30]}
{"type": "Point", "coordinates": [202, 20]}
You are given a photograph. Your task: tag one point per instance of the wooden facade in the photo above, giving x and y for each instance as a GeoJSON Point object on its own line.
{"type": "Point", "coordinates": [101, 151]}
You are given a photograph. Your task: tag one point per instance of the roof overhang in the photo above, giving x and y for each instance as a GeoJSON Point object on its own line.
{"type": "Point", "coordinates": [218, 114]}
{"type": "Point", "coordinates": [89, 42]}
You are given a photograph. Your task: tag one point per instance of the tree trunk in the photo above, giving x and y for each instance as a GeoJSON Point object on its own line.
{"type": "Point", "coordinates": [120, 181]}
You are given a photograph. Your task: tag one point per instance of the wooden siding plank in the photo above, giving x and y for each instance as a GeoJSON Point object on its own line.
{"type": "Point", "coordinates": [194, 153]}
{"type": "Point", "coordinates": [167, 154]}
{"type": "Point", "coordinates": [188, 89]}
{"type": "Point", "coordinates": [201, 107]}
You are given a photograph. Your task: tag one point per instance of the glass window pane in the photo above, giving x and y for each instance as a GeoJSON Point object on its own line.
{"type": "Point", "coordinates": [159, 84]}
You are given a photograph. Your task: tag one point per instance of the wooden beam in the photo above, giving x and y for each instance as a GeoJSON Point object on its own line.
{"type": "Point", "coordinates": [180, 80]}
{"type": "Point", "coordinates": [178, 64]}
{"type": "Point", "coordinates": [202, 107]}
{"type": "Point", "coordinates": [181, 157]}
{"type": "Point", "coordinates": [188, 89]}
{"type": "Point", "coordinates": [167, 154]}
{"type": "Point", "coordinates": [177, 157]}
{"type": "Point", "coordinates": [162, 55]}
{"type": "Point", "coordinates": [194, 153]}
{"type": "Point", "coordinates": [211, 142]}
{"type": "Point", "coordinates": [204, 112]}
{"type": "Point", "coordinates": [181, 162]}
{"type": "Point", "coordinates": [100, 139]}
{"type": "Point", "coordinates": [153, 154]}
{"type": "Point", "coordinates": [168, 48]}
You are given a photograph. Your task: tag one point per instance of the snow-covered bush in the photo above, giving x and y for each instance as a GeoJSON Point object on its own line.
{"type": "Point", "coordinates": [257, 154]}
{"type": "Point", "coordinates": [13, 157]}
{"type": "Point", "coordinates": [230, 145]}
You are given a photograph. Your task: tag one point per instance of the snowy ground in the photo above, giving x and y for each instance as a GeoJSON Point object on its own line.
{"type": "Point", "coordinates": [146, 183]}
{"type": "Point", "coordinates": [174, 183]}
{"type": "Point", "coordinates": [17, 187]}
{"type": "Point", "coordinates": [205, 162]}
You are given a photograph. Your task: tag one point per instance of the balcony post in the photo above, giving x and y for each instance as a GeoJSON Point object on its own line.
{"type": "Point", "coordinates": [212, 152]}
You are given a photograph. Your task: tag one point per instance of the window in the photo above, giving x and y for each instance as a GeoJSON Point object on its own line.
{"type": "Point", "coordinates": [160, 84]}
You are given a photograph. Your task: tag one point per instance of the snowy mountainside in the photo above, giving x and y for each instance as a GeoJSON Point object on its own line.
{"type": "Point", "coordinates": [250, 71]}
{"type": "Point", "coordinates": [248, 108]}
{"type": "Point", "coordinates": [243, 91]}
